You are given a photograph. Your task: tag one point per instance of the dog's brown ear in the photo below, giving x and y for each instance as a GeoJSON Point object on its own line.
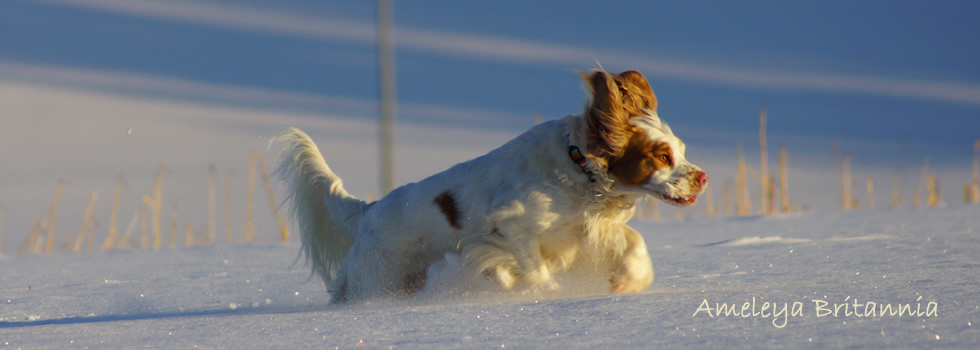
{"type": "Point", "coordinates": [637, 94]}
{"type": "Point", "coordinates": [606, 119]}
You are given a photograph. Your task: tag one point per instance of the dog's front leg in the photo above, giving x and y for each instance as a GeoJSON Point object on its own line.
{"type": "Point", "coordinates": [632, 272]}
{"type": "Point", "coordinates": [521, 224]}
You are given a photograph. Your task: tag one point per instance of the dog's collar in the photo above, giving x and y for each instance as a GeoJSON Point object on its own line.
{"type": "Point", "coordinates": [576, 154]}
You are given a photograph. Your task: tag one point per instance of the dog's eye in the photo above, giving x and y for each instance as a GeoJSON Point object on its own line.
{"type": "Point", "coordinates": [665, 158]}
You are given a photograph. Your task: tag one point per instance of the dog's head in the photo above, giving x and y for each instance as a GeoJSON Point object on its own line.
{"type": "Point", "coordinates": [639, 151]}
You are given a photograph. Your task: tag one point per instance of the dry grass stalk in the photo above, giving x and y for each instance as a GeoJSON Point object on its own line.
{"type": "Point", "coordinates": [743, 206]}
{"type": "Point", "coordinates": [783, 180]}
{"type": "Point", "coordinates": [871, 192]}
{"type": "Point", "coordinates": [654, 208]}
{"type": "Point", "coordinates": [86, 223]}
{"type": "Point", "coordinates": [709, 203]}
{"type": "Point", "coordinates": [52, 214]}
{"type": "Point", "coordinates": [771, 210]}
{"type": "Point", "coordinates": [39, 242]}
{"type": "Point", "coordinates": [126, 240]}
{"type": "Point", "coordinates": [144, 235]}
{"type": "Point", "coordinates": [114, 215]}
{"type": "Point", "coordinates": [896, 198]}
{"type": "Point", "coordinates": [726, 194]}
{"type": "Point", "coordinates": [173, 227]}
{"type": "Point", "coordinates": [848, 197]}
{"type": "Point", "coordinates": [837, 172]}
{"type": "Point", "coordinates": [250, 193]}
{"type": "Point", "coordinates": [917, 197]}
{"type": "Point", "coordinates": [189, 234]}
{"type": "Point", "coordinates": [967, 192]}
{"type": "Point", "coordinates": [212, 205]}
{"type": "Point", "coordinates": [975, 193]}
{"type": "Point", "coordinates": [157, 204]}
{"type": "Point", "coordinates": [933, 191]}
{"type": "Point", "coordinates": [228, 223]}
{"type": "Point", "coordinates": [283, 227]}
{"type": "Point", "coordinates": [765, 195]}
{"type": "Point", "coordinates": [31, 238]}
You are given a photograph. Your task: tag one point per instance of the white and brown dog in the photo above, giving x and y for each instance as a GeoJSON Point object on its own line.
{"type": "Point", "coordinates": [555, 198]}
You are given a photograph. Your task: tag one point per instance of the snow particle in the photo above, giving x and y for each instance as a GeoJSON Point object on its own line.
{"type": "Point", "coordinates": [129, 131]}
{"type": "Point", "coordinates": [232, 306]}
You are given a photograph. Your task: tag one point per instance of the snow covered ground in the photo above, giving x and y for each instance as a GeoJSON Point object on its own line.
{"type": "Point", "coordinates": [794, 272]}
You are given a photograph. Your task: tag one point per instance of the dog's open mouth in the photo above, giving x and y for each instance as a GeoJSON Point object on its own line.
{"type": "Point", "coordinates": [680, 201]}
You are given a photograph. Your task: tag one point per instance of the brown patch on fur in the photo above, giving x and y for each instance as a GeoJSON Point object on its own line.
{"type": "Point", "coordinates": [615, 99]}
{"type": "Point", "coordinates": [641, 158]}
{"type": "Point", "coordinates": [447, 204]}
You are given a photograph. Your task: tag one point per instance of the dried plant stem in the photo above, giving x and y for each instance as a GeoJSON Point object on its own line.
{"type": "Point", "coordinates": [933, 191]}
{"type": "Point", "coordinates": [708, 203]}
{"type": "Point", "coordinates": [86, 221]}
{"type": "Point", "coordinates": [846, 184]}
{"type": "Point", "coordinates": [726, 194]}
{"type": "Point", "coordinates": [212, 204]}
{"type": "Point", "coordinates": [250, 193]}
{"type": "Point", "coordinates": [157, 204]}
{"type": "Point", "coordinates": [743, 206]}
{"type": "Point", "coordinates": [114, 216]}
{"type": "Point", "coordinates": [783, 179]}
{"type": "Point", "coordinates": [189, 234]}
{"type": "Point", "coordinates": [917, 197]}
{"type": "Point", "coordinates": [173, 227]}
{"type": "Point", "coordinates": [655, 208]}
{"type": "Point", "coordinates": [975, 193]}
{"type": "Point", "coordinates": [837, 173]}
{"type": "Point", "coordinates": [52, 215]}
{"type": "Point", "coordinates": [228, 222]}
{"type": "Point", "coordinates": [871, 192]}
{"type": "Point", "coordinates": [144, 237]}
{"type": "Point", "coordinates": [896, 198]}
{"type": "Point", "coordinates": [283, 227]}
{"type": "Point", "coordinates": [125, 241]}
{"type": "Point", "coordinates": [764, 196]}
{"type": "Point", "coordinates": [31, 238]}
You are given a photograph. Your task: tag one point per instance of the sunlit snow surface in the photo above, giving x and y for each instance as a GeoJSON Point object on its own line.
{"type": "Point", "coordinates": [254, 296]}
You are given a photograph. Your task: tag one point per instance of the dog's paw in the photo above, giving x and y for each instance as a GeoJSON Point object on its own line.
{"type": "Point", "coordinates": [502, 275]}
{"type": "Point", "coordinates": [540, 278]}
{"type": "Point", "coordinates": [631, 277]}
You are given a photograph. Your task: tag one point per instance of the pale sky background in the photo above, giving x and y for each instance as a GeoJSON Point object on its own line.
{"type": "Point", "coordinates": [95, 89]}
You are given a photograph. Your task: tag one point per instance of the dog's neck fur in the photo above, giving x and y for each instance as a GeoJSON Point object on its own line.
{"type": "Point", "coordinates": [599, 188]}
{"type": "Point", "coordinates": [604, 206]}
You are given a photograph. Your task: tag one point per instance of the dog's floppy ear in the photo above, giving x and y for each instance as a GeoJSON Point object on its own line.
{"type": "Point", "coordinates": [615, 99]}
{"type": "Point", "coordinates": [606, 121]}
{"type": "Point", "coordinates": [637, 94]}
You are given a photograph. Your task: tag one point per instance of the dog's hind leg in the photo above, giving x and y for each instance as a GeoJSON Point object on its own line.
{"type": "Point", "coordinates": [490, 258]}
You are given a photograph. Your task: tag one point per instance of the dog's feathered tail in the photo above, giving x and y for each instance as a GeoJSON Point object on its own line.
{"type": "Point", "coordinates": [326, 215]}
